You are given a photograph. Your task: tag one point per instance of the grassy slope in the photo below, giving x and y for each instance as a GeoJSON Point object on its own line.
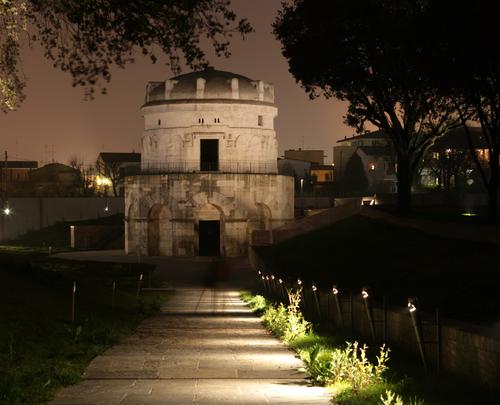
{"type": "Point", "coordinates": [457, 276]}
{"type": "Point", "coordinates": [58, 235]}
{"type": "Point", "coordinates": [403, 376]}
{"type": "Point", "coordinates": [40, 350]}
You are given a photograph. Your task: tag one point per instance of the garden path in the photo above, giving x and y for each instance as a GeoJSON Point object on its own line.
{"type": "Point", "coordinates": [204, 347]}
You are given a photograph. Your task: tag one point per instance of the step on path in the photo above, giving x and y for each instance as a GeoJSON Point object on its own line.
{"type": "Point", "coordinates": [204, 347]}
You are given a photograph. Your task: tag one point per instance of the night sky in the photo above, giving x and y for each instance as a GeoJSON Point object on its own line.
{"type": "Point", "coordinates": [55, 118]}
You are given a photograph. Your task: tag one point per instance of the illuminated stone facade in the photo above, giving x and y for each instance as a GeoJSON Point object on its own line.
{"type": "Point", "coordinates": [209, 167]}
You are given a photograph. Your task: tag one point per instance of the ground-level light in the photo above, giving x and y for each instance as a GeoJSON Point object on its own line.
{"type": "Point", "coordinates": [7, 211]}
{"type": "Point", "coordinates": [411, 306]}
{"type": "Point", "coordinates": [364, 293]}
{"type": "Point", "coordinates": [335, 290]}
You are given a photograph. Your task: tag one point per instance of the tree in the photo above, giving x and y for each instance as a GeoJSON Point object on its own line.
{"type": "Point", "coordinates": [111, 170]}
{"type": "Point", "coordinates": [86, 37]}
{"type": "Point", "coordinates": [354, 181]}
{"type": "Point", "coordinates": [467, 68]}
{"type": "Point", "coordinates": [13, 22]}
{"type": "Point", "coordinates": [85, 183]}
{"type": "Point", "coordinates": [368, 53]}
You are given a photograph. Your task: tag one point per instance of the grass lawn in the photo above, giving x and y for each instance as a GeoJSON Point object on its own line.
{"type": "Point", "coordinates": [40, 349]}
{"type": "Point", "coordinates": [461, 215]}
{"type": "Point", "coordinates": [459, 277]}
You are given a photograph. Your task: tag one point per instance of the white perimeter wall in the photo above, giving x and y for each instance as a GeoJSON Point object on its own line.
{"type": "Point", "coordinates": [36, 213]}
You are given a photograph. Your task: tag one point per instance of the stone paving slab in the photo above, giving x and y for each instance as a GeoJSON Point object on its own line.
{"type": "Point", "coordinates": [203, 348]}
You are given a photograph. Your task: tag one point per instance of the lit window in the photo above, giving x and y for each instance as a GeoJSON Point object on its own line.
{"type": "Point", "coordinates": [261, 121]}
{"type": "Point", "coordinates": [372, 167]}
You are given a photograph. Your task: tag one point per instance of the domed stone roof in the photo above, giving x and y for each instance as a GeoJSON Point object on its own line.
{"type": "Point", "coordinates": [209, 84]}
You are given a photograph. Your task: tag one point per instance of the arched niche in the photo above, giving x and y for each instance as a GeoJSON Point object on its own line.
{"type": "Point", "coordinates": [159, 231]}
{"type": "Point", "coordinates": [130, 228]}
{"type": "Point", "coordinates": [265, 216]}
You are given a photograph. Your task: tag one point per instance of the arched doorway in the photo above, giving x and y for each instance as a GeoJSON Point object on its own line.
{"type": "Point", "coordinates": [159, 231]}
{"type": "Point", "coordinates": [210, 230]}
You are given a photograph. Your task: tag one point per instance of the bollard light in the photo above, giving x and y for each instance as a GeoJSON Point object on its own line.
{"type": "Point", "coordinates": [7, 211]}
{"type": "Point", "coordinates": [272, 276]}
{"type": "Point", "coordinates": [280, 281]}
{"type": "Point", "coordinates": [299, 281]}
{"type": "Point", "coordinates": [335, 290]}
{"type": "Point", "coordinates": [262, 277]}
{"type": "Point", "coordinates": [314, 288]}
{"type": "Point", "coordinates": [364, 293]}
{"type": "Point", "coordinates": [260, 273]}
{"type": "Point", "coordinates": [267, 278]}
{"type": "Point", "coordinates": [411, 305]}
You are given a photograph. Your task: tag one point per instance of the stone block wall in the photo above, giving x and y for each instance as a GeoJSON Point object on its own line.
{"type": "Point", "coordinates": [241, 202]}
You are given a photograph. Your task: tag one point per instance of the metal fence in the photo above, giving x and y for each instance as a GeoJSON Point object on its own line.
{"type": "Point", "coordinates": [221, 166]}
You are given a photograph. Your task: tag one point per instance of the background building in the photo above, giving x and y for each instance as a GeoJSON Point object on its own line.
{"type": "Point", "coordinates": [209, 167]}
{"type": "Point", "coordinates": [307, 155]}
{"type": "Point", "coordinates": [112, 168]}
{"type": "Point", "coordinates": [14, 174]}
{"type": "Point", "coordinates": [365, 164]}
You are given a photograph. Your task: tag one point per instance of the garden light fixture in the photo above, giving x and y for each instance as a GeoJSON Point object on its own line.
{"type": "Point", "coordinates": [411, 306]}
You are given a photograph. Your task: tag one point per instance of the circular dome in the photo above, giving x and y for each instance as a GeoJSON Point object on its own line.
{"type": "Point", "coordinates": [210, 84]}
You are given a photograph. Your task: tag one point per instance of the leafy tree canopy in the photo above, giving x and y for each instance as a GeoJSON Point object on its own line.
{"type": "Point", "coordinates": [370, 53]}
{"type": "Point", "coordinates": [87, 37]}
{"type": "Point", "coordinates": [466, 58]}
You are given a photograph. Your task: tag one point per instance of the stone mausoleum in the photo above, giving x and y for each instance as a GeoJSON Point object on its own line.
{"type": "Point", "coordinates": [209, 168]}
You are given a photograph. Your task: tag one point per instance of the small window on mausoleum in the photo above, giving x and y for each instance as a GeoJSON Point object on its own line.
{"type": "Point", "coordinates": [261, 120]}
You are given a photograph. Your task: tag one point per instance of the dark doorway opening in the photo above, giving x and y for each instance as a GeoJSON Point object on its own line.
{"type": "Point", "coordinates": [209, 154]}
{"type": "Point", "coordinates": [209, 238]}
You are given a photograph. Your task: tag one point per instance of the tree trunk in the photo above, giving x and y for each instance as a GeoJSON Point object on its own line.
{"type": "Point", "coordinates": [404, 177]}
{"type": "Point", "coordinates": [115, 189]}
{"type": "Point", "coordinates": [493, 186]}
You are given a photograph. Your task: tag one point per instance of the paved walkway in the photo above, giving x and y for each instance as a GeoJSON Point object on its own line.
{"type": "Point", "coordinates": [203, 348]}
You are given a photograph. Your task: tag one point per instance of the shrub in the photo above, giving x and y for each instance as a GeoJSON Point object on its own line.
{"type": "Point", "coordinates": [393, 399]}
{"type": "Point", "coordinates": [287, 322]}
{"type": "Point", "coordinates": [349, 365]}
{"type": "Point", "coordinates": [297, 325]}
{"type": "Point", "coordinates": [276, 319]}
{"type": "Point", "coordinates": [257, 303]}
